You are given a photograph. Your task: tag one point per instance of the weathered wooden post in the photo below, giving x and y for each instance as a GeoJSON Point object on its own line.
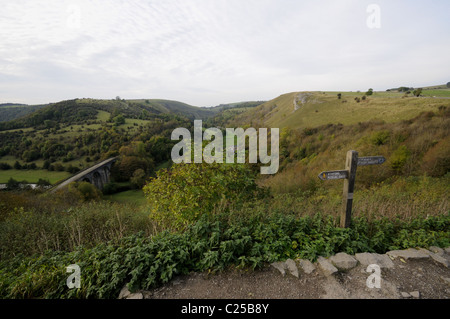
{"type": "Point", "coordinates": [349, 175]}
{"type": "Point", "coordinates": [351, 164]}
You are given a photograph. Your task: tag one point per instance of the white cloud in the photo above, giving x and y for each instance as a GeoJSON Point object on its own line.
{"type": "Point", "coordinates": [210, 52]}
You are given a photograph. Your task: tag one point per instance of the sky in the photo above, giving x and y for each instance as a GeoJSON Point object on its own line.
{"type": "Point", "coordinates": [209, 52]}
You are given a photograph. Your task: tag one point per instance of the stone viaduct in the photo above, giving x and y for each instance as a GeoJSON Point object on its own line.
{"type": "Point", "coordinates": [99, 175]}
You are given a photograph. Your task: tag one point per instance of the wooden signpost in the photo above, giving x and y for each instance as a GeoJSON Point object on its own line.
{"type": "Point", "coordinates": [349, 175]}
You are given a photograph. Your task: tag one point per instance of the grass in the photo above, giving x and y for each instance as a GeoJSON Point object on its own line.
{"type": "Point", "coordinates": [130, 124]}
{"type": "Point", "coordinates": [437, 93]}
{"type": "Point", "coordinates": [165, 164]}
{"type": "Point", "coordinates": [9, 159]}
{"type": "Point", "coordinates": [134, 196]}
{"type": "Point", "coordinates": [32, 176]}
{"type": "Point", "coordinates": [328, 109]}
{"type": "Point", "coordinates": [401, 198]}
{"type": "Point", "coordinates": [103, 116]}
{"type": "Point", "coordinates": [324, 107]}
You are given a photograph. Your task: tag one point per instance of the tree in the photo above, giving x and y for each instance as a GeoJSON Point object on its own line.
{"type": "Point", "coordinates": [12, 184]}
{"type": "Point", "coordinates": [43, 182]}
{"type": "Point", "coordinates": [369, 92]}
{"type": "Point", "coordinates": [119, 120]}
{"type": "Point", "coordinates": [17, 165]}
{"type": "Point", "coordinates": [5, 166]}
{"type": "Point", "coordinates": [125, 167]}
{"type": "Point", "coordinates": [72, 169]}
{"type": "Point", "coordinates": [417, 92]}
{"type": "Point", "coordinates": [85, 190]}
{"type": "Point", "coordinates": [46, 164]}
{"type": "Point", "coordinates": [138, 178]}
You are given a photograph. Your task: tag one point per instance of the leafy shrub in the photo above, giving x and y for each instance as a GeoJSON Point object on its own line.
{"type": "Point", "coordinates": [182, 194]}
{"type": "Point", "coordinates": [110, 188]}
{"type": "Point", "coordinates": [380, 138]}
{"type": "Point", "coordinates": [417, 92]}
{"type": "Point", "coordinates": [436, 161]}
{"type": "Point", "coordinates": [5, 166]}
{"type": "Point", "coordinates": [138, 178]}
{"type": "Point", "coordinates": [85, 190]}
{"type": "Point", "coordinates": [399, 157]}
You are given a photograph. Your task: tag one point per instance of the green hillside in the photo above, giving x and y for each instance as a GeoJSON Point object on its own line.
{"type": "Point", "coordinates": [312, 109]}
{"type": "Point", "coordinates": [81, 110]}
{"type": "Point", "coordinates": [62, 138]}
{"type": "Point", "coordinates": [12, 111]}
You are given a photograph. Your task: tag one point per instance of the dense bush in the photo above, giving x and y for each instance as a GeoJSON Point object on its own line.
{"type": "Point", "coordinates": [85, 190]}
{"type": "Point", "coordinates": [182, 194]}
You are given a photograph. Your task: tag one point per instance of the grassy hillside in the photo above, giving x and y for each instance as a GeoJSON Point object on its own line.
{"type": "Point", "coordinates": [167, 106]}
{"type": "Point", "coordinates": [81, 110]}
{"type": "Point", "coordinates": [12, 111]}
{"type": "Point", "coordinates": [312, 109]}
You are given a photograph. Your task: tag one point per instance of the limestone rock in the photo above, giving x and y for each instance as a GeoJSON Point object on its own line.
{"type": "Point", "coordinates": [124, 293]}
{"type": "Point", "coordinates": [436, 257]}
{"type": "Point", "coordinates": [327, 268]}
{"type": "Point", "coordinates": [436, 250]}
{"type": "Point", "coordinates": [280, 266]}
{"type": "Point", "coordinates": [415, 294]}
{"type": "Point", "coordinates": [291, 266]}
{"type": "Point", "coordinates": [446, 280]}
{"type": "Point", "coordinates": [405, 294]}
{"type": "Point", "coordinates": [409, 253]}
{"type": "Point", "coordinates": [307, 266]}
{"type": "Point", "coordinates": [367, 259]}
{"type": "Point", "coordinates": [343, 261]}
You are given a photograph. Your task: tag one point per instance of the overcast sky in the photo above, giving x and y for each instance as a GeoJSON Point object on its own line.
{"type": "Point", "coordinates": [208, 52]}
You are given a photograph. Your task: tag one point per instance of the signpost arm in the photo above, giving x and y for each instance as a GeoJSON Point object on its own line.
{"type": "Point", "coordinates": [351, 164]}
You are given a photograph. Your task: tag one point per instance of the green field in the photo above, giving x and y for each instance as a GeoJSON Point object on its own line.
{"type": "Point", "coordinates": [437, 93]}
{"type": "Point", "coordinates": [32, 176]}
{"type": "Point", "coordinates": [135, 196]}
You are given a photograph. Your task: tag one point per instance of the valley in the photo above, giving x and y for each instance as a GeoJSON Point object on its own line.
{"type": "Point", "coordinates": [165, 220]}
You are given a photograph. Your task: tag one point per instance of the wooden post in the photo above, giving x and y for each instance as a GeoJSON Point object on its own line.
{"type": "Point", "coordinates": [351, 164]}
{"type": "Point", "coordinates": [349, 175]}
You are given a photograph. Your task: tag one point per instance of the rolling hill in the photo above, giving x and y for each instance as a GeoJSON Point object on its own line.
{"type": "Point", "coordinates": [312, 109]}
{"type": "Point", "coordinates": [12, 111]}
{"type": "Point", "coordinates": [78, 111]}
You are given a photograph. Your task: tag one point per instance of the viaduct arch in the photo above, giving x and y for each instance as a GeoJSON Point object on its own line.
{"type": "Point", "coordinates": [98, 175]}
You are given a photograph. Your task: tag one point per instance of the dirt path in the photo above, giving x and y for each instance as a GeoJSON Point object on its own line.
{"type": "Point", "coordinates": [407, 276]}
